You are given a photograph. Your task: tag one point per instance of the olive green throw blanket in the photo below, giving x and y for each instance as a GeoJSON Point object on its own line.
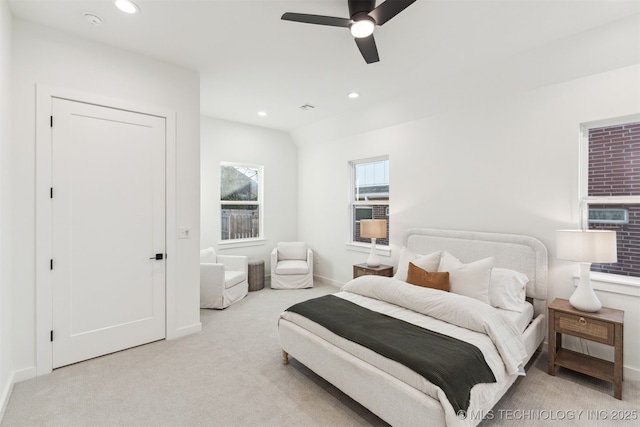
{"type": "Point", "coordinates": [449, 363]}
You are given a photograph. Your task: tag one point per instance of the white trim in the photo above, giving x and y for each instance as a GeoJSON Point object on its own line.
{"type": "Point", "coordinates": [614, 121]}
{"type": "Point", "coordinates": [240, 243]}
{"type": "Point", "coordinates": [14, 377]}
{"type": "Point", "coordinates": [365, 203]}
{"type": "Point", "coordinates": [366, 248]}
{"type": "Point", "coordinates": [612, 200]}
{"type": "Point", "coordinates": [613, 283]}
{"type": "Point", "coordinates": [184, 331]}
{"type": "Point", "coordinates": [44, 322]}
{"type": "Point", "coordinates": [327, 281]}
{"type": "Point", "coordinates": [6, 394]}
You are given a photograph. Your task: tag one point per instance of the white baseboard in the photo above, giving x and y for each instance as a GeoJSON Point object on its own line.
{"type": "Point", "coordinates": [6, 394]}
{"type": "Point", "coordinates": [327, 281]}
{"type": "Point", "coordinates": [15, 377]}
{"type": "Point", "coordinates": [631, 373]}
{"type": "Point", "coordinates": [184, 331]}
{"type": "Point", "coordinates": [25, 374]}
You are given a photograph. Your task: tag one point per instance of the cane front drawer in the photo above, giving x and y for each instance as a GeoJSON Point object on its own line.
{"type": "Point", "coordinates": [585, 327]}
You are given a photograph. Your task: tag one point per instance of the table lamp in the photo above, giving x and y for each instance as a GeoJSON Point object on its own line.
{"type": "Point", "coordinates": [374, 229]}
{"type": "Point", "coordinates": [585, 247]}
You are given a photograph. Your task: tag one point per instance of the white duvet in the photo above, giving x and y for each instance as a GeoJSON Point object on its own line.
{"type": "Point", "coordinates": [458, 316]}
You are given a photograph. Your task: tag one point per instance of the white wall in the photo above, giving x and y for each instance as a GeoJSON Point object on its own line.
{"type": "Point", "coordinates": [505, 164]}
{"type": "Point", "coordinates": [46, 57]}
{"type": "Point", "coordinates": [234, 142]}
{"type": "Point", "coordinates": [6, 332]}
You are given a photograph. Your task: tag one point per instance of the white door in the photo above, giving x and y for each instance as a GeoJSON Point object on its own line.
{"type": "Point", "coordinates": [108, 222]}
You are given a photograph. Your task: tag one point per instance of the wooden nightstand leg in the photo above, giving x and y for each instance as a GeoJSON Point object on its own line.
{"type": "Point", "coordinates": [618, 362]}
{"type": "Point", "coordinates": [551, 346]}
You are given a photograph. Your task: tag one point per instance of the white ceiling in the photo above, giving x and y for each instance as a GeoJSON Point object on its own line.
{"type": "Point", "coordinates": [250, 60]}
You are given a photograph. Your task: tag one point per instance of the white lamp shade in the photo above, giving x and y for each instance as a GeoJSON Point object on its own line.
{"type": "Point", "coordinates": [373, 228]}
{"type": "Point", "coordinates": [597, 246]}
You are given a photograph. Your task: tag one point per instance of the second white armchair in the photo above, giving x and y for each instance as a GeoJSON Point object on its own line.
{"type": "Point", "coordinates": [291, 266]}
{"type": "Point", "coordinates": [223, 279]}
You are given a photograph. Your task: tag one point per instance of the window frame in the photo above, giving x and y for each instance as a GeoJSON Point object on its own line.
{"type": "Point", "coordinates": [607, 279]}
{"type": "Point", "coordinates": [352, 204]}
{"type": "Point", "coordinates": [250, 241]}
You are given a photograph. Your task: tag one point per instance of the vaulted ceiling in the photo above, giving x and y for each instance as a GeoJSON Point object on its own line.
{"type": "Point", "coordinates": [432, 55]}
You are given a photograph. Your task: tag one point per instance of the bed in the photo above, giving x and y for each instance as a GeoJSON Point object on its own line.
{"type": "Point", "coordinates": [395, 392]}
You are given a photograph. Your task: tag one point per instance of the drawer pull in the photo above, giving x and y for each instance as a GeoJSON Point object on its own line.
{"type": "Point", "coordinates": [582, 321]}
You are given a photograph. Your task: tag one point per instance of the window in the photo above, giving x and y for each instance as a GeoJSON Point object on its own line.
{"type": "Point", "coordinates": [240, 201]}
{"type": "Point", "coordinates": [611, 188]}
{"type": "Point", "coordinates": [369, 197]}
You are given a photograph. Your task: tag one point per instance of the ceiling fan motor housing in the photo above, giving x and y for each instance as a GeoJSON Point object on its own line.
{"type": "Point", "coordinates": [360, 6]}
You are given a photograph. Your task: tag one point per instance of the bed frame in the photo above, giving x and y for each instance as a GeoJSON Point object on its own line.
{"type": "Point", "coordinates": [392, 400]}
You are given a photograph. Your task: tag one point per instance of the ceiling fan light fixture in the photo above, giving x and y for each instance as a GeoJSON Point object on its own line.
{"type": "Point", "coordinates": [362, 28]}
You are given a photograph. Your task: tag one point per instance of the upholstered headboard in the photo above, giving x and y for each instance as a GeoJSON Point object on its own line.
{"type": "Point", "coordinates": [521, 253]}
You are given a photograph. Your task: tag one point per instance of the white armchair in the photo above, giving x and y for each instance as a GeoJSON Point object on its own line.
{"type": "Point", "coordinates": [291, 266]}
{"type": "Point", "coordinates": [223, 279]}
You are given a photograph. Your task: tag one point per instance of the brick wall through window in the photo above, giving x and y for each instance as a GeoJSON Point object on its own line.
{"type": "Point", "coordinates": [614, 170]}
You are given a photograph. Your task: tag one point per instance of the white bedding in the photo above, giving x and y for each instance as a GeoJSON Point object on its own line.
{"type": "Point", "coordinates": [489, 329]}
{"type": "Point", "coordinates": [520, 319]}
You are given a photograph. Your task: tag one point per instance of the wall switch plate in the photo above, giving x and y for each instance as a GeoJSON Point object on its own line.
{"type": "Point", "coordinates": [184, 232]}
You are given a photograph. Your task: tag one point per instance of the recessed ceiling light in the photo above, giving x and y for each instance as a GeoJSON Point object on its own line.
{"type": "Point", "coordinates": [262, 113]}
{"type": "Point", "coordinates": [353, 95]}
{"type": "Point", "coordinates": [127, 6]}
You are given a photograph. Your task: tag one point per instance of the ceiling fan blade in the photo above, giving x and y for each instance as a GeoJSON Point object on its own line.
{"type": "Point", "coordinates": [317, 19]}
{"type": "Point", "coordinates": [368, 49]}
{"type": "Point", "coordinates": [389, 9]}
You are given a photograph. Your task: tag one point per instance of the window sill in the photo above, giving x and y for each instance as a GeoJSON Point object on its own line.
{"type": "Point", "coordinates": [366, 248]}
{"type": "Point", "coordinates": [240, 243]}
{"type": "Point", "coordinates": [614, 283]}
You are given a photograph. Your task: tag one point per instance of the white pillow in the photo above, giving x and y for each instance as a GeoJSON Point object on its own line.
{"type": "Point", "coordinates": [471, 280]}
{"type": "Point", "coordinates": [426, 262]}
{"type": "Point", "coordinates": [508, 289]}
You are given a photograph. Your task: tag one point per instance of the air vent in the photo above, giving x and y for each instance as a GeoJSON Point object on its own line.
{"type": "Point", "coordinates": [307, 107]}
{"type": "Point", "coordinates": [93, 19]}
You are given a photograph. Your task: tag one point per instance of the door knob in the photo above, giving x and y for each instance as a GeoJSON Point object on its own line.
{"type": "Point", "coordinates": [158, 257]}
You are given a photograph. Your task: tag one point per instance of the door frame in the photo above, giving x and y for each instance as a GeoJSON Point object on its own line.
{"type": "Point", "coordinates": [43, 255]}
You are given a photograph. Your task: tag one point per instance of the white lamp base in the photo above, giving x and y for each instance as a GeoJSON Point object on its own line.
{"type": "Point", "coordinates": [373, 260]}
{"type": "Point", "coordinates": [584, 298]}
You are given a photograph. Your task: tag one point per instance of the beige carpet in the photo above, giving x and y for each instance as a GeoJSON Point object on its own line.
{"type": "Point", "coordinates": [230, 374]}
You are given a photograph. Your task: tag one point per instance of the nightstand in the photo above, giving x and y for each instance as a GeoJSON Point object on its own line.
{"type": "Point", "coordinates": [364, 270]}
{"type": "Point", "coordinates": [604, 326]}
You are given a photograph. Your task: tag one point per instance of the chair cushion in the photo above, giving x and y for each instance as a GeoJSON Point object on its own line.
{"type": "Point", "coordinates": [232, 278]}
{"type": "Point", "coordinates": [208, 255]}
{"type": "Point", "coordinates": [292, 250]}
{"type": "Point", "coordinates": [292, 266]}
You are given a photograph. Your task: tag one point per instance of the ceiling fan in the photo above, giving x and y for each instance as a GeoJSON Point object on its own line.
{"type": "Point", "coordinates": [364, 17]}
